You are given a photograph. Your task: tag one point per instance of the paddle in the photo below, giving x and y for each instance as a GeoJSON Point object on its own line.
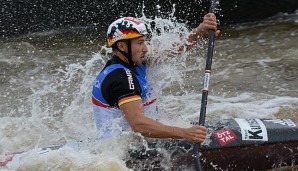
{"type": "Point", "coordinates": [196, 147]}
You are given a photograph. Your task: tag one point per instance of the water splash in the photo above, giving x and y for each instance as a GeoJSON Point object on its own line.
{"type": "Point", "coordinates": [47, 94]}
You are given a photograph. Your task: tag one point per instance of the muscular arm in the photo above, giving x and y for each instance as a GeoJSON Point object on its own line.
{"type": "Point", "coordinates": [134, 113]}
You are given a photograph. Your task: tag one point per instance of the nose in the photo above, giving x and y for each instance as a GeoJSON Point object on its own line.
{"type": "Point", "coordinates": [145, 49]}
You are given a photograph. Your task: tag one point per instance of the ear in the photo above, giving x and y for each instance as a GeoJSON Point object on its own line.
{"type": "Point", "coordinates": [122, 46]}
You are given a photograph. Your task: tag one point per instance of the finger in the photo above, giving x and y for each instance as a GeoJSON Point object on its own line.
{"type": "Point", "coordinates": [200, 127]}
{"type": "Point", "coordinates": [203, 128]}
{"type": "Point", "coordinates": [209, 20]}
{"type": "Point", "coordinates": [217, 33]}
{"type": "Point", "coordinates": [210, 16]}
{"type": "Point", "coordinates": [199, 139]}
{"type": "Point", "coordinates": [210, 27]}
{"type": "Point", "coordinates": [209, 24]}
{"type": "Point", "coordinates": [212, 22]}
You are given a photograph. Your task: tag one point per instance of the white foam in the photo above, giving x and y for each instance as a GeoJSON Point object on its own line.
{"type": "Point", "coordinates": [55, 107]}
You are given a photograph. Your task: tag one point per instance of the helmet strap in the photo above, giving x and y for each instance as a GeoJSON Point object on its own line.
{"type": "Point", "coordinates": [128, 55]}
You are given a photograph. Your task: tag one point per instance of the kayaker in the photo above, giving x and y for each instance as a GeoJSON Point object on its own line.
{"type": "Point", "coordinates": [122, 96]}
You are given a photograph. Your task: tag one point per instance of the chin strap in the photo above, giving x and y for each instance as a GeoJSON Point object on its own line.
{"type": "Point", "coordinates": [127, 55]}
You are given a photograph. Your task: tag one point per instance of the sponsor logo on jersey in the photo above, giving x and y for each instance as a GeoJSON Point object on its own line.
{"type": "Point", "coordinates": [225, 136]}
{"type": "Point", "coordinates": [97, 84]}
{"type": "Point", "coordinates": [285, 122]}
{"type": "Point", "coordinates": [252, 129]}
{"type": "Point", "coordinates": [131, 84]}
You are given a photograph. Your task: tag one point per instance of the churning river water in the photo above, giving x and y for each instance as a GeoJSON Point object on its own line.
{"type": "Point", "coordinates": [46, 80]}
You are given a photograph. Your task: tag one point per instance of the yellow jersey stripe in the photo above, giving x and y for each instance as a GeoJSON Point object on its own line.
{"type": "Point", "coordinates": [128, 99]}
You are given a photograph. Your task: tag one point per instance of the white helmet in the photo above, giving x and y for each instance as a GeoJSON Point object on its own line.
{"type": "Point", "coordinates": [125, 28]}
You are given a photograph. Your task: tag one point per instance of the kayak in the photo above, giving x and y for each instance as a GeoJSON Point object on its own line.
{"type": "Point", "coordinates": [235, 144]}
{"type": "Point", "coordinates": [232, 144]}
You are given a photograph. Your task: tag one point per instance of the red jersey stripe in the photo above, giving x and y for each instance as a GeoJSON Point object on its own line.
{"type": "Point", "coordinates": [99, 103]}
{"type": "Point", "coordinates": [150, 102]}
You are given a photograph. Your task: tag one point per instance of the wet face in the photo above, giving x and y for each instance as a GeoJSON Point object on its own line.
{"type": "Point", "coordinates": [139, 50]}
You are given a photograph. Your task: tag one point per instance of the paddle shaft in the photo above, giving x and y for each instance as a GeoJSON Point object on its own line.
{"type": "Point", "coordinates": [196, 148]}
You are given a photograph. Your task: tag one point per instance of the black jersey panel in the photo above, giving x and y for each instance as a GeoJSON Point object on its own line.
{"type": "Point", "coordinates": [118, 84]}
